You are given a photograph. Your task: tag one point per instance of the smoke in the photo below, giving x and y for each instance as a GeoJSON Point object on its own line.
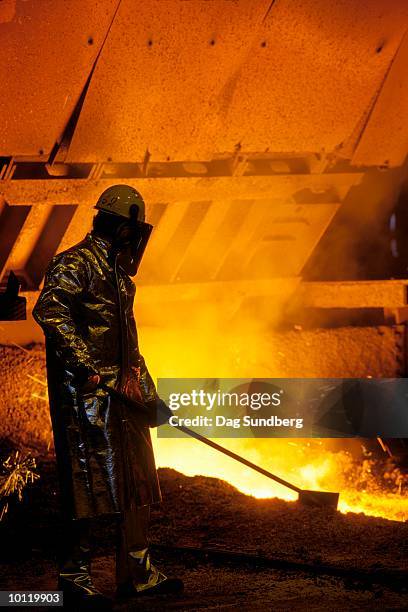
{"type": "Point", "coordinates": [357, 243]}
{"type": "Point", "coordinates": [222, 335]}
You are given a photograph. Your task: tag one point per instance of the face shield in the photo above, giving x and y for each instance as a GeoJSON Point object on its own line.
{"type": "Point", "coordinates": [133, 247]}
{"type": "Point", "coordinates": [139, 242]}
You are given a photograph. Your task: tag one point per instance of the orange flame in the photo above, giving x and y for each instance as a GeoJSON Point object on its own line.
{"type": "Point", "coordinates": [365, 485]}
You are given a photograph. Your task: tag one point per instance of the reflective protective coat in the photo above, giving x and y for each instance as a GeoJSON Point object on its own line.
{"type": "Point", "coordinates": [104, 454]}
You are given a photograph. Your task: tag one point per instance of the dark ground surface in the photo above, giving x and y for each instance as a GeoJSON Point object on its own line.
{"type": "Point", "coordinates": [299, 559]}
{"type": "Point", "coordinates": [215, 586]}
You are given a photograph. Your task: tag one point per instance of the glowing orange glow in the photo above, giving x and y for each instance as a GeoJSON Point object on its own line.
{"type": "Point", "coordinates": [319, 469]}
{"type": "Point", "coordinates": [364, 485]}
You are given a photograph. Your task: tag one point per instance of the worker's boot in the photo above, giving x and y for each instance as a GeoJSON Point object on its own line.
{"type": "Point", "coordinates": [75, 582]}
{"type": "Point", "coordinates": [74, 578]}
{"type": "Point", "coordinates": [146, 579]}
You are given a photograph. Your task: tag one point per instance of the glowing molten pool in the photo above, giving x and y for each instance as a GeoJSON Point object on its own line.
{"type": "Point", "coordinates": [365, 484]}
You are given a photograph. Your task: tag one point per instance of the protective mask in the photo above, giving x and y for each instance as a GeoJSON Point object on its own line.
{"type": "Point", "coordinates": [130, 255]}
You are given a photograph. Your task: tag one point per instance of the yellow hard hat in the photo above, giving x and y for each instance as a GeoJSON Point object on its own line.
{"type": "Point", "coordinates": [119, 200]}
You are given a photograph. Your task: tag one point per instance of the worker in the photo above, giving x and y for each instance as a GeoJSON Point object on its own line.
{"type": "Point", "coordinates": [104, 451]}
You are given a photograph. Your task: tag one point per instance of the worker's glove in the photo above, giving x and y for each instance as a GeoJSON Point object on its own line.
{"type": "Point", "coordinates": [86, 380]}
{"type": "Point", "coordinates": [91, 384]}
{"type": "Point", "coordinates": [158, 412]}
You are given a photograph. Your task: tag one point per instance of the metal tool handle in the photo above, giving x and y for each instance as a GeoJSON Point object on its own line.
{"type": "Point", "coordinates": [193, 434]}
{"type": "Point", "coordinates": [225, 451]}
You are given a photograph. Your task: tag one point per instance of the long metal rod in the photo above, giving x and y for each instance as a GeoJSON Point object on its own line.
{"type": "Point", "coordinates": [204, 440]}
{"type": "Point", "coordinates": [222, 449]}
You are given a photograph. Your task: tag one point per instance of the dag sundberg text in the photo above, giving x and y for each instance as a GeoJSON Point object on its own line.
{"type": "Point", "coordinates": [235, 423]}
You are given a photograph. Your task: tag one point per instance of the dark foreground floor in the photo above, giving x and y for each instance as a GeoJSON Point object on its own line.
{"type": "Point", "coordinates": [232, 551]}
{"type": "Point", "coordinates": [228, 586]}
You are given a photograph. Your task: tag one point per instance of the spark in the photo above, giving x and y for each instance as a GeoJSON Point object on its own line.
{"type": "Point", "coordinates": [16, 474]}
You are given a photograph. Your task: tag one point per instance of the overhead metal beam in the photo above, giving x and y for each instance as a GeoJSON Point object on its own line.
{"type": "Point", "coordinates": [213, 291]}
{"type": "Point", "coordinates": [154, 190]}
{"type": "Point", "coordinates": [354, 294]}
